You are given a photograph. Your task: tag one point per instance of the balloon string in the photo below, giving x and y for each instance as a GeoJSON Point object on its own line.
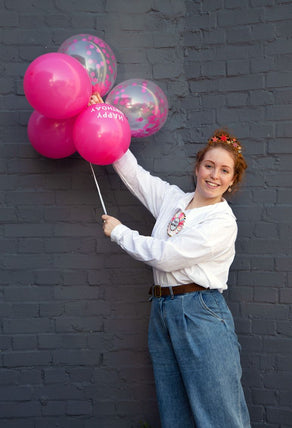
{"type": "Point", "coordinates": [98, 189]}
{"type": "Point", "coordinates": [96, 99]}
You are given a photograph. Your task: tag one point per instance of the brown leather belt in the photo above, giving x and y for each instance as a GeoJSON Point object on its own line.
{"type": "Point", "coordinates": [158, 291]}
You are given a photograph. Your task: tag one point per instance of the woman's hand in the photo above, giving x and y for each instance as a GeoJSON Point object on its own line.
{"type": "Point", "coordinates": [109, 223]}
{"type": "Point", "coordinates": [95, 99]}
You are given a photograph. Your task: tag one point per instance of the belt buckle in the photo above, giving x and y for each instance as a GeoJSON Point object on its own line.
{"type": "Point", "coordinates": [155, 293]}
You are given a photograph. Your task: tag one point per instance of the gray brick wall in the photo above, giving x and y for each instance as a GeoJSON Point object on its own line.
{"type": "Point", "coordinates": [73, 309]}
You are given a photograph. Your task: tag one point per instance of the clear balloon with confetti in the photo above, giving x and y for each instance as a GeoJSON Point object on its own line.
{"type": "Point", "coordinates": [97, 58]}
{"type": "Point", "coordinates": [144, 104]}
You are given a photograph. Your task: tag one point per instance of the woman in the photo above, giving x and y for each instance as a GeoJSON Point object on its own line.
{"type": "Point", "coordinates": [192, 343]}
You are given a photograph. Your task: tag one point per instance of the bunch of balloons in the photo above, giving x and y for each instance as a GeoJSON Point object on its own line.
{"type": "Point", "coordinates": [59, 87]}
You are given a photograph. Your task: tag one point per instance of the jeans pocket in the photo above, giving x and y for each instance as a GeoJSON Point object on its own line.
{"type": "Point", "coordinates": [210, 305]}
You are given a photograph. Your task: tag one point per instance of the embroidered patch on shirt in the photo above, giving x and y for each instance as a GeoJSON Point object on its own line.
{"type": "Point", "coordinates": [176, 224]}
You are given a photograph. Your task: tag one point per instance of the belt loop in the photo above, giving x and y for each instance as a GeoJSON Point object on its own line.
{"type": "Point", "coordinates": [157, 291]}
{"type": "Point", "coordinates": [151, 294]}
{"type": "Point", "coordinates": [171, 292]}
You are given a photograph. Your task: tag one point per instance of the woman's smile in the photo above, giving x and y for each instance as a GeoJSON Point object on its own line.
{"type": "Point", "coordinates": [210, 184]}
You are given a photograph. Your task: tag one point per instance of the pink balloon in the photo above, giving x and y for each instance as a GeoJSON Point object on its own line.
{"type": "Point", "coordinates": [51, 137]}
{"type": "Point", "coordinates": [101, 134]}
{"type": "Point", "coordinates": [96, 57]}
{"type": "Point", "coordinates": [57, 86]}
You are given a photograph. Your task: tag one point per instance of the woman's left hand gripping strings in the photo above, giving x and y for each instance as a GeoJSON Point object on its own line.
{"type": "Point", "coordinates": [109, 223]}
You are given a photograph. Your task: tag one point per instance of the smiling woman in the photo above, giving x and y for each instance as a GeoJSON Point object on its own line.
{"type": "Point", "coordinates": [192, 342]}
{"type": "Point", "coordinates": [223, 139]}
{"type": "Point", "coordinates": [215, 175]}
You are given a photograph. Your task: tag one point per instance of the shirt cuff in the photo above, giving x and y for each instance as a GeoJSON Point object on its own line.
{"type": "Point", "coordinates": [124, 160]}
{"type": "Point", "coordinates": [118, 232]}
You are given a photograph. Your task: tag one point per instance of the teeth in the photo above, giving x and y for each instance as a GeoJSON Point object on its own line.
{"type": "Point", "coordinates": [212, 184]}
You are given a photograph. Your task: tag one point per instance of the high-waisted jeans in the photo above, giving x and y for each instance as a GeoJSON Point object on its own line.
{"type": "Point", "coordinates": [196, 361]}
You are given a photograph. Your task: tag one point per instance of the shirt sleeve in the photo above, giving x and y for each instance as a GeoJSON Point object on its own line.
{"type": "Point", "coordinates": [148, 189]}
{"type": "Point", "coordinates": [213, 239]}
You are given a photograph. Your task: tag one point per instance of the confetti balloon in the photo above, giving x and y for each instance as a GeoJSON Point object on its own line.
{"type": "Point", "coordinates": [57, 86]}
{"type": "Point", "coordinates": [101, 134]}
{"type": "Point", "coordinates": [52, 138]}
{"type": "Point", "coordinates": [96, 57]}
{"type": "Point", "coordinates": [144, 104]}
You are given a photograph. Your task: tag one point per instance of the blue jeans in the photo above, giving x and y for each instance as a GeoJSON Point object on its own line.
{"type": "Point", "coordinates": [196, 362]}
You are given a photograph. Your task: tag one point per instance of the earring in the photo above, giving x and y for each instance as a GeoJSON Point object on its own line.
{"type": "Point", "coordinates": [229, 189]}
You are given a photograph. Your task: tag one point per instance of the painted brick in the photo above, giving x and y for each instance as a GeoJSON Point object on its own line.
{"type": "Point", "coordinates": [26, 359]}
{"type": "Point", "coordinates": [24, 325]}
{"type": "Point", "coordinates": [77, 408]}
{"type": "Point", "coordinates": [54, 408]}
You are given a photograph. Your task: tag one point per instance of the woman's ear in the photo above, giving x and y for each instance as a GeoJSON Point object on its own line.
{"type": "Point", "coordinates": [234, 180]}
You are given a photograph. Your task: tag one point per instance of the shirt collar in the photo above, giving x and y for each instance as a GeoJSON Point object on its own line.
{"type": "Point", "coordinates": [186, 199]}
{"type": "Point", "coordinates": [184, 202]}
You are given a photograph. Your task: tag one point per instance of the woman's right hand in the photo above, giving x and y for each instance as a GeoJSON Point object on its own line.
{"type": "Point", "coordinates": [95, 99]}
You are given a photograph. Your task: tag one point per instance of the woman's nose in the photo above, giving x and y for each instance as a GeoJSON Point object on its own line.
{"type": "Point", "coordinates": [214, 173]}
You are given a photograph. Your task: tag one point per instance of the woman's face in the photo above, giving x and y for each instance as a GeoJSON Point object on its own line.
{"type": "Point", "coordinates": [214, 175]}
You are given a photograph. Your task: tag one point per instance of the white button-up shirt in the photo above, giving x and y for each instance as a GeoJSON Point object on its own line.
{"type": "Point", "coordinates": [201, 252]}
